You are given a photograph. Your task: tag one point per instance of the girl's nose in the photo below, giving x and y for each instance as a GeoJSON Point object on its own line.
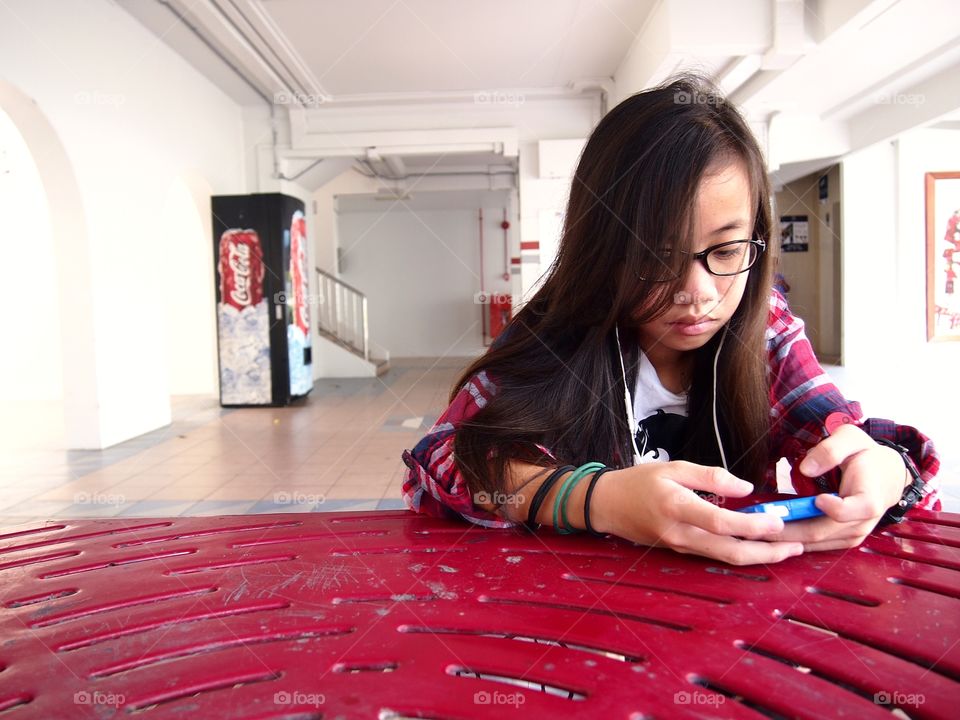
{"type": "Point", "coordinates": [699, 286]}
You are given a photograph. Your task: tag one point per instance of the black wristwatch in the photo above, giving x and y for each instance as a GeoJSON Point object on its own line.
{"type": "Point", "coordinates": [913, 492]}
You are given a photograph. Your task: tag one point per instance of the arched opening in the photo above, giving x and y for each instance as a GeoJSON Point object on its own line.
{"type": "Point", "coordinates": [49, 389]}
{"type": "Point", "coordinates": [31, 381]}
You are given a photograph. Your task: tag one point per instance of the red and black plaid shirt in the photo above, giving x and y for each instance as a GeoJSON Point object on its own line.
{"type": "Point", "coordinates": [801, 397]}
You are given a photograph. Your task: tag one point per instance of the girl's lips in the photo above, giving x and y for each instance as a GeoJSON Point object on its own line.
{"type": "Point", "coordinates": [692, 327]}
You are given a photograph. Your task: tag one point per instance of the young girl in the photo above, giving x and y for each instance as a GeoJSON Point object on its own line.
{"type": "Point", "coordinates": [656, 366]}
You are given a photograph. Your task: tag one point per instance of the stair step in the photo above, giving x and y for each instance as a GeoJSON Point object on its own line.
{"type": "Point", "coordinates": [382, 365]}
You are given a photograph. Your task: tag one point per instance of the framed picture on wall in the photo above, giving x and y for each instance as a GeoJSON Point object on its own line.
{"type": "Point", "coordinates": [794, 233]}
{"type": "Point", "coordinates": [943, 255]}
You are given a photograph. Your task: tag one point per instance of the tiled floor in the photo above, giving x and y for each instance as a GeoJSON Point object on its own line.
{"type": "Point", "coordinates": [338, 449]}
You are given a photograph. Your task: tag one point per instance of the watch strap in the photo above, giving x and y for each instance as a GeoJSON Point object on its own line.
{"type": "Point", "coordinates": [912, 494]}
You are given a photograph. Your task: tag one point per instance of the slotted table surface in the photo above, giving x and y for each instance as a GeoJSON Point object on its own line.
{"type": "Point", "coordinates": [393, 615]}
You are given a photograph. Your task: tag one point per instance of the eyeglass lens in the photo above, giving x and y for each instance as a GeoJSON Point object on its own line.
{"type": "Point", "coordinates": [732, 258]}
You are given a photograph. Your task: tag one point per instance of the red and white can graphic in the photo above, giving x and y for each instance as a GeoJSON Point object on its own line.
{"type": "Point", "coordinates": [298, 272]}
{"type": "Point", "coordinates": [241, 268]}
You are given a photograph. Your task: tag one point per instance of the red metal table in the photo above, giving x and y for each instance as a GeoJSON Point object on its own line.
{"type": "Point", "coordinates": [393, 615]}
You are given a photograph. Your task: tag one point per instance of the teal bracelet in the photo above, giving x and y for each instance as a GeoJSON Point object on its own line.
{"type": "Point", "coordinates": [560, 520]}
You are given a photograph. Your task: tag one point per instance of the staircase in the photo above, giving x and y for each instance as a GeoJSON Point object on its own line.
{"type": "Point", "coordinates": [342, 319]}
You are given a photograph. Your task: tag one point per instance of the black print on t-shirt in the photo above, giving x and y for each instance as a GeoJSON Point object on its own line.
{"type": "Point", "coordinates": [660, 436]}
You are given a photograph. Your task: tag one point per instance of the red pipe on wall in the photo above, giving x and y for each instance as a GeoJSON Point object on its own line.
{"type": "Point", "coordinates": [506, 250]}
{"type": "Point", "coordinates": [483, 314]}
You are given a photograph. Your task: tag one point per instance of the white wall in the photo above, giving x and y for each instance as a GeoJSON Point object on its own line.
{"type": "Point", "coordinates": [420, 272]}
{"type": "Point", "coordinates": [133, 121]}
{"type": "Point", "coordinates": [888, 360]}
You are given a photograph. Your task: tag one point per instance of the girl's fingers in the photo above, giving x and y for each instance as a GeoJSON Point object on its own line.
{"type": "Point", "coordinates": [844, 443]}
{"type": "Point", "coordinates": [735, 551]}
{"type": "Point", "coordinates": [819, 530]}
{"type": "Point", "coordinates": [852, 508]}
{"type": "Point", "coordinates": [703, 477]}
{"type": "Point", "coordinates": [720, 521]}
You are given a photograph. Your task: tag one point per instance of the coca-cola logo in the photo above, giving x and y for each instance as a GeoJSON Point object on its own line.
{"type": "Point", "coordinates": [239, 260]}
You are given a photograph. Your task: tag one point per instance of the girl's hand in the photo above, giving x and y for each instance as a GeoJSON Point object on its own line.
{"type": "Point", "coordinates": [872, 479]}
{"type": "Point", "coordinates": [654, 504]}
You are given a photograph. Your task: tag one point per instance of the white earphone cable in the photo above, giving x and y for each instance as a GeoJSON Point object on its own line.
{"type": "Point", "coordinates": [628, 401]}
{"type": "Point", "coordinates": [716, 426]}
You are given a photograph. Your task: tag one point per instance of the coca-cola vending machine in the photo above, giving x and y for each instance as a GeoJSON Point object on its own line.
{"type": "Point", "coordinates": [262, 286]}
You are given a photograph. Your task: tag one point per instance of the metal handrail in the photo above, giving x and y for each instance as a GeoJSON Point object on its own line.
{"type": "Point", "coordinates": [343, 312]}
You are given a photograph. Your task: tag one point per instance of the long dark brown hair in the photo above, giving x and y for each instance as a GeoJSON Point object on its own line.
{"type": "Point", "coordinates": [556, 368]}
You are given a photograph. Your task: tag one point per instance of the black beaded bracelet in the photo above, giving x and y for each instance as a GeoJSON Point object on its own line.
{"type": "Point", "coordinates": [534, 508]}
{"type": "Point", "coordinates": [586, 502]}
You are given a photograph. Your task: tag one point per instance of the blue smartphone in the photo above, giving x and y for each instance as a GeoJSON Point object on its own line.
{"type": "Point", "coordinates": [789, 510]}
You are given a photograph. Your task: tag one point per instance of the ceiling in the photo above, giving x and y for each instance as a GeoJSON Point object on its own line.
{"type": "Point", "coordinates": [833, 75]}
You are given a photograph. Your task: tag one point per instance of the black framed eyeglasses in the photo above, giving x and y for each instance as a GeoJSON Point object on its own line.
{"type": "Point", "coordinates": [724, 259]}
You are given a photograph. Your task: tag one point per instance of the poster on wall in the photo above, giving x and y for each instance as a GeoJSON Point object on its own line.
{"type": "Point", "coordinates": [794, 233]}
{"type": "Point", "coordinates": [943, 255]}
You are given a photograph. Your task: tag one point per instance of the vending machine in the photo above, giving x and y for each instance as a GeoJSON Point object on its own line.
{"type": "Point", "coordinates": [262, 295]}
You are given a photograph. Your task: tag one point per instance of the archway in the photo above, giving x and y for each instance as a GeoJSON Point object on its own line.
{"type": "Point", "coordinates": [64, 270]}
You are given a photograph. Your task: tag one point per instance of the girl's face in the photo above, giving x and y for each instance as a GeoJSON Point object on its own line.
{"type": "Point", "coordinates": [723, 211]}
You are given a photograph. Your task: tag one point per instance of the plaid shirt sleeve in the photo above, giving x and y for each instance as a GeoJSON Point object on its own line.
{"type": "Point", "coordinates": [433, 483]}
{"type": "Point", "coordinates": [801, 397]}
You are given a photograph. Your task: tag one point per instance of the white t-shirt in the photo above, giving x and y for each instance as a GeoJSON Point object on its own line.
{"type": "Point", "coordinates": [658, 412]}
